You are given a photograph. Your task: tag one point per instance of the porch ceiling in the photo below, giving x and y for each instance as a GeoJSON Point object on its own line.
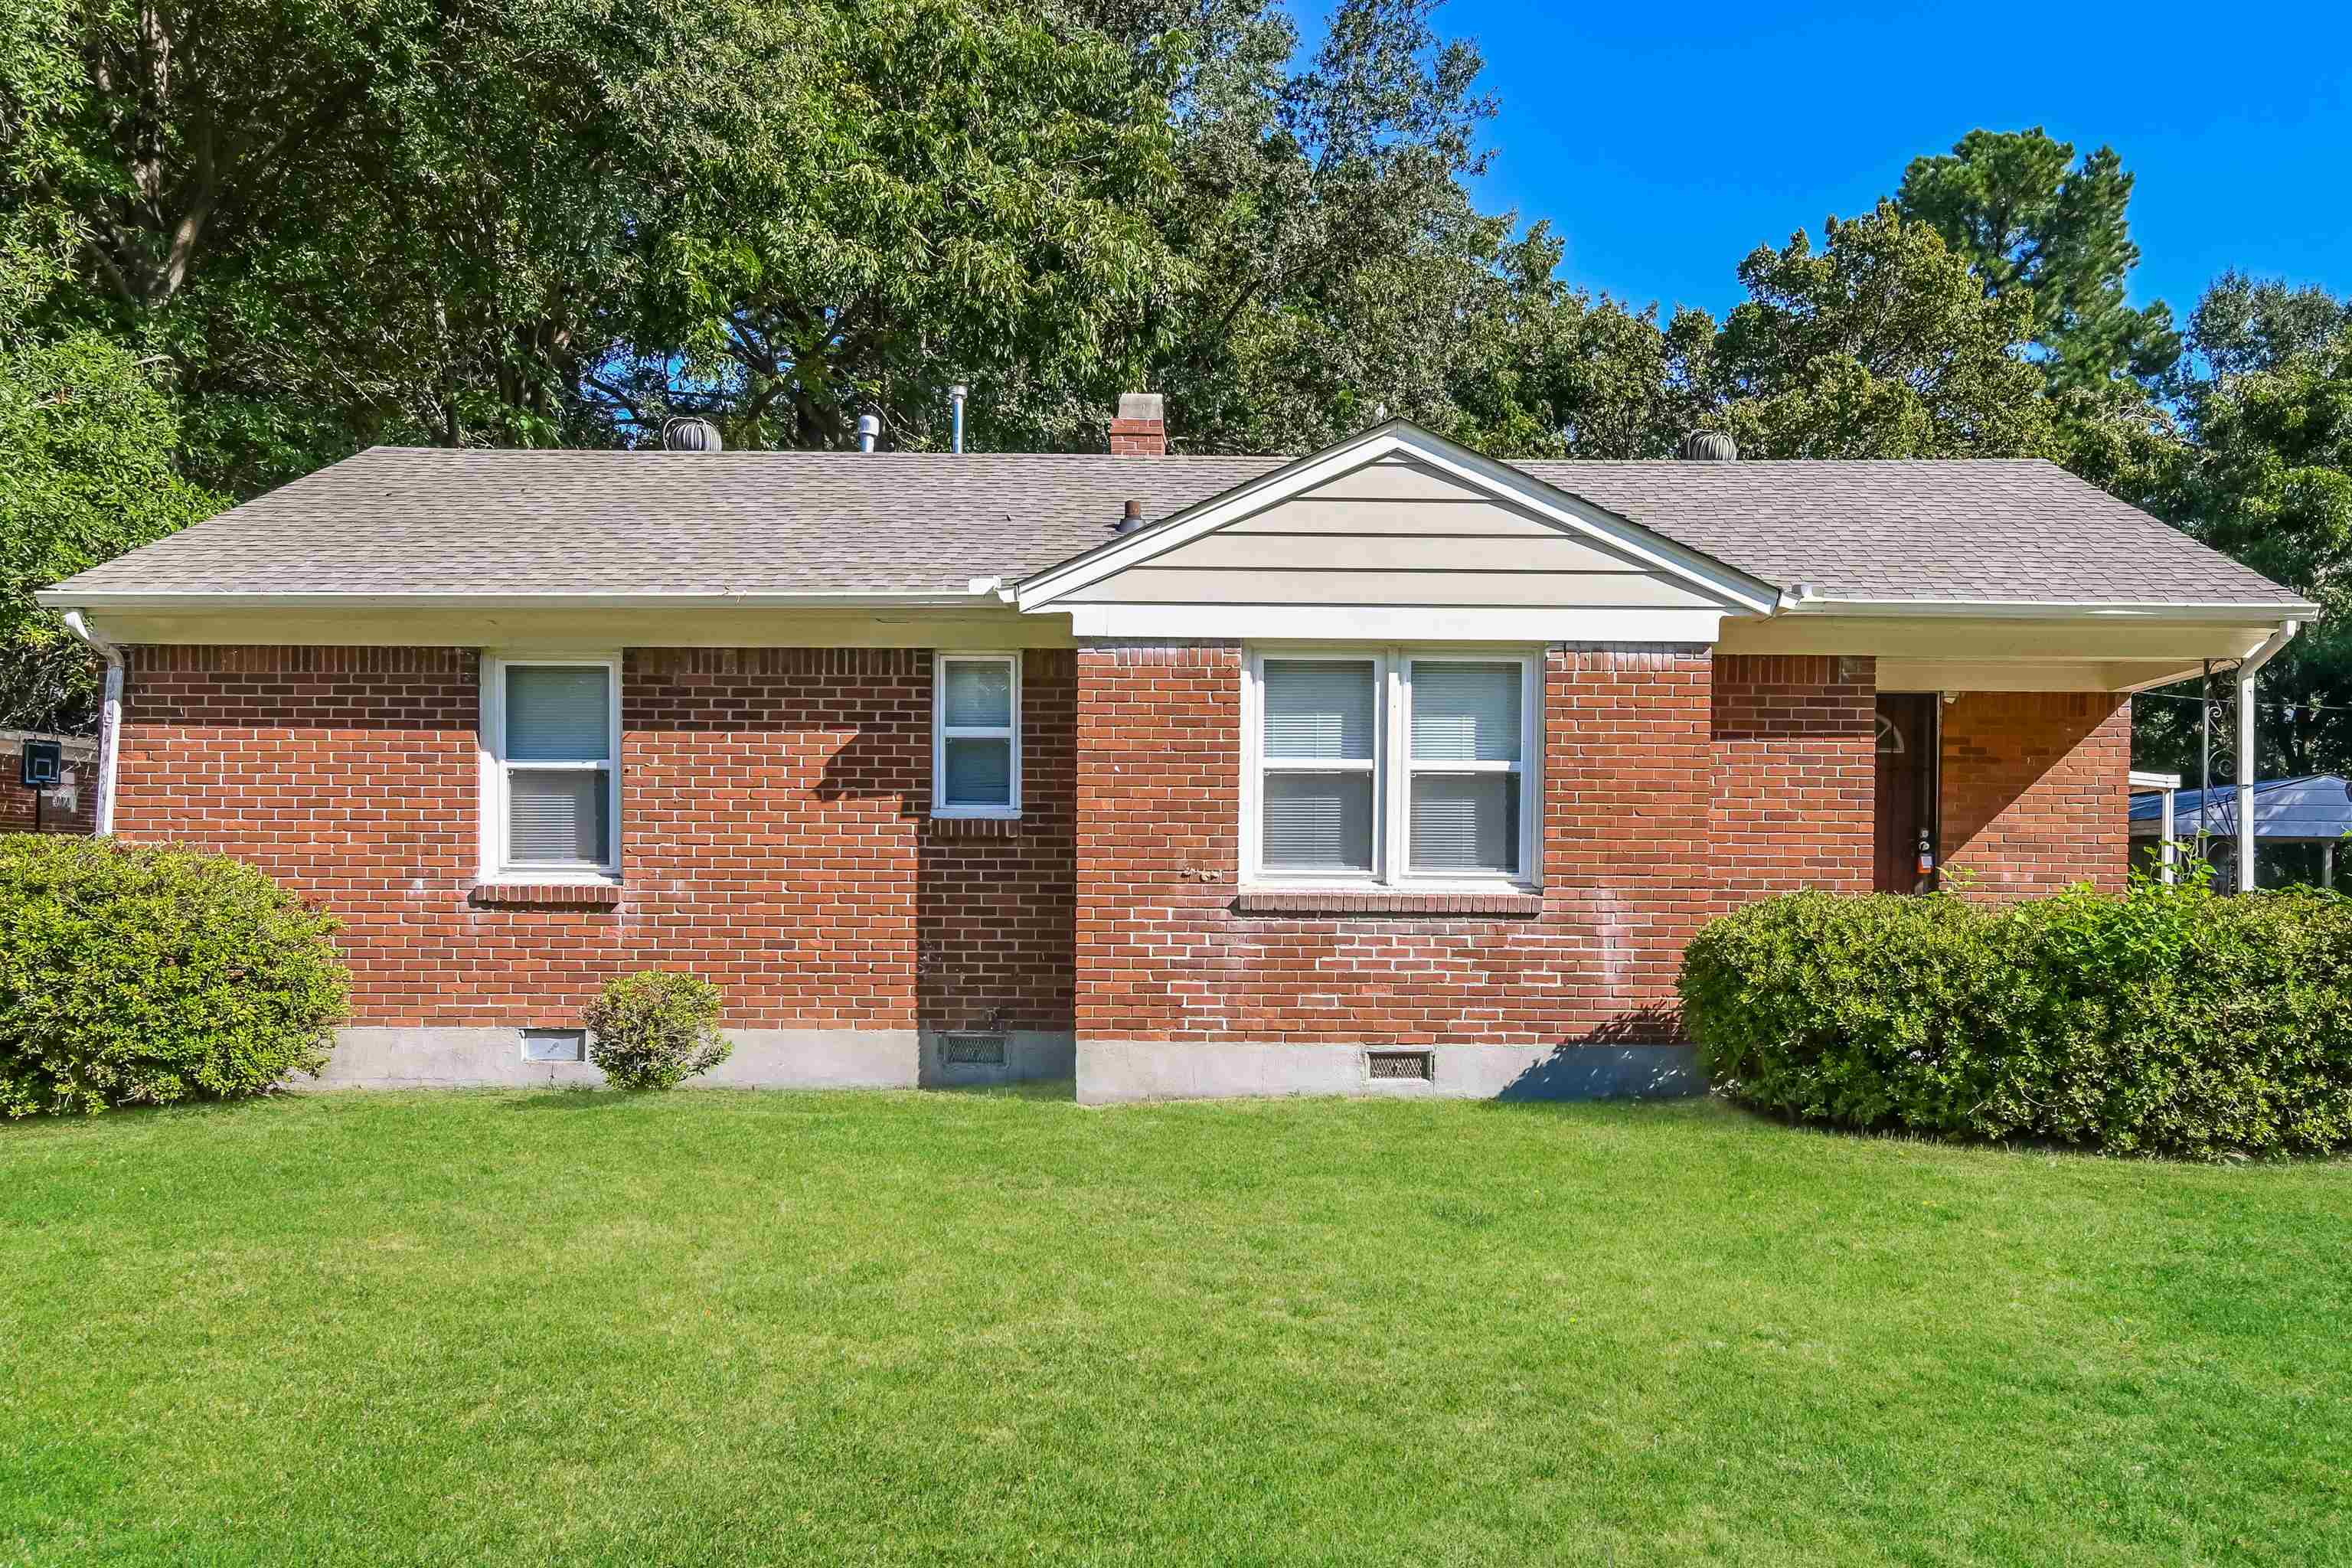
{"type": "Point", "coordinates": [1958, 653]}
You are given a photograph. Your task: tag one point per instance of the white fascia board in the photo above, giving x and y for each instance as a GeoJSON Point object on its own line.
{"type": "Point", "coordinates": [52, 599]}
{"type": "Point", "coordinates": [1737, 590]}
{"type": "Point", "coordinates": [1392, 624]}
{"type": "Point", "coordinates": [2052, 610]}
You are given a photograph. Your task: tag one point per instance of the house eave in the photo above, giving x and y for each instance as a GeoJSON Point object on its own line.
{"type": "Point", "coordinates": [2243, 614]}
{"type": "Point", "coordinates": [157, 603]}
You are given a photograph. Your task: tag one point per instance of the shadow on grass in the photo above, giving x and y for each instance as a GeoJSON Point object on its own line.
{"type": "Point", "coordinates": [1061, 1088]}
{"type": "Point", "coordinates": [576, 1098]}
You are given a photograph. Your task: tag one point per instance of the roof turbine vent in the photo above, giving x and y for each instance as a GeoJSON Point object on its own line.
{"type": "Point", "coordinates": [1708, 446]}
{"type": "Point", "coordinates": [688, 434]}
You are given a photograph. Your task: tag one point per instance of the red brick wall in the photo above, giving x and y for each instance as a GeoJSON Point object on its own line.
{"type": "Point", "coordinates": [776, 837]}
{"type": "Point", "coordinates": [1162, 953]}
{"type": "Point", "coordinates": [2035, 790]}
{"type": "Point", "coordinates": [17, 803]}
{"type": "Point", "coordinates": [1796, 780]}
{"type": "Point", "coordinates": [775, 832]}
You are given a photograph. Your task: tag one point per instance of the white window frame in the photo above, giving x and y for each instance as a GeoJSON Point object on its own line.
{"type": "Point", "coordinates": [495, 866]}
{"type": "Point", "coordinates": [1393, 768]}
{"type": "Point", "coordinates": [942, 732]}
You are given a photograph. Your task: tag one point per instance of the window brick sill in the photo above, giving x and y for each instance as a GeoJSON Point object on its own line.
{"type": "Point", "coordinates": [546, 895]}
{"type": "Point", "coordinates": [1279, 901]}
{"type": "Point", "coordinates": [972, 826]}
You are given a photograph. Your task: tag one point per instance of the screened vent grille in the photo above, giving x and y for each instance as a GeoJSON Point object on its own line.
{"type": "Point", "coordinates": [1400, 1064]}
{"type": "Point", "coordinates": [554, 1046]}
{"type": "Point", "coordinates": [973, 1050]}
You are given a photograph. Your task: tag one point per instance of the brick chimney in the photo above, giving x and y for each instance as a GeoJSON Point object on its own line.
{"type": "Point", "coordinates": [1141, 428]}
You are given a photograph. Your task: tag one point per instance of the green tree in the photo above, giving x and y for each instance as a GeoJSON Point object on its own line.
{"type": "Point", "coordinates": [2033, 224]}
{"type": "Point", "coordinates": [1878, 344]}
{"type": "Point", "coordinates": [874, 198]}
{"type": "Point", "coordinates": [2268, 481]}
{"type": "Point", "coordinates": [87, 444]}
{"type": "Point", "coordinates": [1546, 370]}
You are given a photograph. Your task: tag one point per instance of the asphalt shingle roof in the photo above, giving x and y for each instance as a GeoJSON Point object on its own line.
{"type": "Point", "coordinates": [405, 520]}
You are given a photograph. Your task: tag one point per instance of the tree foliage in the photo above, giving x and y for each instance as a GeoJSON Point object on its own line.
{"type": "Point", "coordinates": [2037, 227]}
{"type": "Point", "coordinates": [241, 239]}
{"type": "Point", "coordinates": [1879, 345]}
{"type": "Point", "coordinates": [2267, 477]}
{"type": "Point", "coordinates": [88, 471]}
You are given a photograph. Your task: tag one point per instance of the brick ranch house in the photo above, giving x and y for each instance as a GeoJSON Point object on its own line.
{"type": "Point", "coordinates": [1392, 768]}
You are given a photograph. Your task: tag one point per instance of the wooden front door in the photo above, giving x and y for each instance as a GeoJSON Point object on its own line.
{"type": "Point", "coordinates": [1907, 775]}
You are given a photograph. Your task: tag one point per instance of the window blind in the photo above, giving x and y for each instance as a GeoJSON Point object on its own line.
{"type": "Point", "coordinates": [1321, 707]}
{"type": "Point", "coordinates": [1465, 712]}
{"type": "Point", "coordinates": [558, 713]}
{"type": "Point", "coordinates": [557, 816]}
{"type": "Point", "coordinates": [1318, 822]}
{"type": "Point", "coordinates": [1464, 822]}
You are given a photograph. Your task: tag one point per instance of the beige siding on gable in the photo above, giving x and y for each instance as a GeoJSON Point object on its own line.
{"type": "Point", "coordinates": [1177, 586]}
{"type": "Point", "coordinates": [1393, 534]}
{"type": "Point", "coordinates": [1410, 519]}
{"type": "Point", "coordinates": [1395, 481]}
{"type": "Point", "coordinates": [1410, 552]}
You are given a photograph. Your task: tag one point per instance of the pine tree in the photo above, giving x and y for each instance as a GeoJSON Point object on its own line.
{"type": "Point", "coordinates": [2032, 222]}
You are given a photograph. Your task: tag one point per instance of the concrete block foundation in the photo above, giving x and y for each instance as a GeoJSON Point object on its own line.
{"type": "Point", "coordinates": [1112, 1071]}
{"type": "Point", "coordinates": [377, 1058]}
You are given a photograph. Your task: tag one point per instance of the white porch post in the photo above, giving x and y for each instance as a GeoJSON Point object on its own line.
{"type": "Point", "coordinates": [2171, 851]}
{"type": "Point", "coordinates": [2166, 785]}
{"type": "Point", "coordinates": [2245, 780]}
{"type": "Point", "coordinates": [2247, 670]}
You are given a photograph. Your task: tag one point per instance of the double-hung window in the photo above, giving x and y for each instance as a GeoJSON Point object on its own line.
{"type": "Point", "coordinates": [976, 736]}
{"type": "Point", "coordinates": [553, 728]}
{"type": "Point", "coordinates": [1393, 767]}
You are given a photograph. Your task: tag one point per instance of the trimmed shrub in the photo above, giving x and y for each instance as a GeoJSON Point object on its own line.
{"type": "Point", "coordinates": [656, 1030]}
{"type": "Point", "coordinates": [2166, 1021]}
{"type": "Point", "coordinates": [136, 974]}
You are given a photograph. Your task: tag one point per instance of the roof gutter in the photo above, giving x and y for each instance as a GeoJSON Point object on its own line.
{"type": "Point", "coordinates": [1805, 600]}
{"type": "Point", "coordinates": [71, 598]}
{"type": "Point", "coordinates": [110, 722]}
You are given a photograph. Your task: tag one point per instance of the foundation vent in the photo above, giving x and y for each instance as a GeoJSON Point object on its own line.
{"type": "Point", "coordinates": [554, 1044]}
{"type": "Point", "coordinates": [973, 1050]}
{"type": "Point", "coordinates": [1400, 1064]}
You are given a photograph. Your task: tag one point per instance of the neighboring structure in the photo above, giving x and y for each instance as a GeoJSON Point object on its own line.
{"type": "Point", "coordinates": [69, 808]}
{"type": "Point", "coordinates": [2299, 824]}
{"type": "Point", "coordinates": [1392, 768]}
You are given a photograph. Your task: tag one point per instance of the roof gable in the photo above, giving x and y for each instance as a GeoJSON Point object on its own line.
{"type": "Point", "coordinates": [1398, 515]}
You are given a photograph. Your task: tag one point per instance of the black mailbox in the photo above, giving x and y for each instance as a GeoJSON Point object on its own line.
{"type": "Point", "coordinates": [42, 766]}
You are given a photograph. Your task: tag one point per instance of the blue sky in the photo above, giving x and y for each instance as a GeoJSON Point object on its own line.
{"type": "Point", "coordinates": [1666, 143]}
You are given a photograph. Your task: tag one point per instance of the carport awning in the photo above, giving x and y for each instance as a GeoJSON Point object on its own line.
{"type": "Point", "coordinates": [2315, 808]}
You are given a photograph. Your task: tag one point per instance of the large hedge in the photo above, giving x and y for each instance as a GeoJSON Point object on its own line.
{"type": "Point", "coordinates": [2168, 1020]}
{"type": "Point", "coordinates": [138, 975]}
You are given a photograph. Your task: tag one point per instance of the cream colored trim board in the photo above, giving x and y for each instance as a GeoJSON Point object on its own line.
{"type": "Point", "coordinates": [540, 630]}
{"type": "Point", "coordinates": [498, 598]}
{"type": "Point", "coordinates": [1393, 623]}
{"type": "Point", "coordinates": [2046, 610]}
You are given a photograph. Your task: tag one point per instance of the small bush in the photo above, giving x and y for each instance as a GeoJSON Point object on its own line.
{"type": "Point", "coordinates": [656, 1030]}
{"type": "Point", "coordinates": [2169, 1020]}
{"type": "Point", "coordinates": [132, 974]}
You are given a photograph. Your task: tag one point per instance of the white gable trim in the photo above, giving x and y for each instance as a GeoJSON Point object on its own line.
{"type": "Point", "coordinates": [1736, 591]}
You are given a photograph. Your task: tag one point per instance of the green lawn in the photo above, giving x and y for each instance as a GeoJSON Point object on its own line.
{"type": "Point", "coordinates": [714, 1327]}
